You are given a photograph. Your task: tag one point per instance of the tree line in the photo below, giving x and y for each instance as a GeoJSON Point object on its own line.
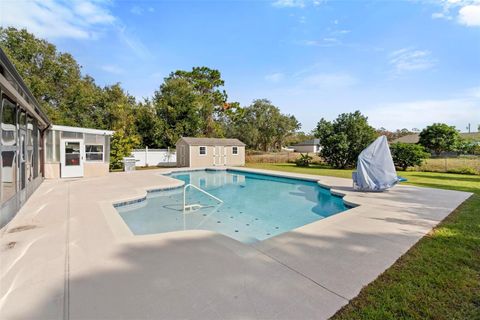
{"type": "Point", "coordinates": [188, 103]}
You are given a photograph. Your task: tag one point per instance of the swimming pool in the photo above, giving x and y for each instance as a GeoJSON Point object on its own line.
{"type": "Point", "coordinates": [255, 206]}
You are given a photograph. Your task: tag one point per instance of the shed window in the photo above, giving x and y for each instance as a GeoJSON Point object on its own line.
{"type": "Point", "coordinates": [94, 152]}
{"type": "Point", "coordinates": [203, 150]}
{"type": "Point", "coordinates": [234, 150]}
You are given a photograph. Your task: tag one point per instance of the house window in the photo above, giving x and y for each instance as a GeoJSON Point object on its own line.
{"type": "Point", "coordinates": [94, 152]}
{"type": "Point", "coordinates": [234, 150]}
{"type": "Point", "coordinates": [203, 151]}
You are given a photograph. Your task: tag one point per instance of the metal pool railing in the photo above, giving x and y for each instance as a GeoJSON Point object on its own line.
{"type": "Point", "coordinates": [195, 205]}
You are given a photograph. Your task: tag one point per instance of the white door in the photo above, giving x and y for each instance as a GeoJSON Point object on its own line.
{"type": "Point", "coordinates": [218, 156]}
{"type": "Point", "coordinates": [72, 153]}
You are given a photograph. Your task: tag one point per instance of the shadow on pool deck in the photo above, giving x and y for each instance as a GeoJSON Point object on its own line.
{"type": "Point", "coordinates": [198, 278]}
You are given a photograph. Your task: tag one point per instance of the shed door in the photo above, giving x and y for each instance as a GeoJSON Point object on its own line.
{"type": "Point", "coordinates": [219, 156]}
{"type": "Point", "coordinates": [182, 156]}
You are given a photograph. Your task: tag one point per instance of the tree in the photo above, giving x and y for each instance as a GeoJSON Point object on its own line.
{"type": "Point", "coordinates": [466, 146]}
{"type": "Point", "coordinates": [121, 146]}
{"type": "Point", "coordinates": [407, 155]}
{"type": "Point", "coordinates": [67, 96]}
{"type": "Point", "coordinates": [177, 108]}
{"type": "Point", "coordinates": [298, 137]}
{"type": "Point", "coordinates": [205, 84]}
{"type": "Point", "coordinates": [260, 125]}
{"type": "Point", "coordinates": [343, 139]}
{"type": "Point", "coordinates": [392, 135]}
{"type": "Point", "coordinates": [439, 137]}
{"type": "Point", "coordinates": [149, 126]}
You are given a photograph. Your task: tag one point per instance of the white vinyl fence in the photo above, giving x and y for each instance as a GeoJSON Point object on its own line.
{"type": "Point", "coordinates": [155, 157]}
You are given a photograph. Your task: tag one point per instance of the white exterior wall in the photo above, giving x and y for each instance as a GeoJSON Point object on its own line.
{"type": "Point", "coordinates": [310, 148]}
{"type": "Point", "coordinates": [154, 157]}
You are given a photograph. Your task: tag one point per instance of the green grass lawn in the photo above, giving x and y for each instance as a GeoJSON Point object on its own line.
{"type": "Point", "coordinates": [439, 277]}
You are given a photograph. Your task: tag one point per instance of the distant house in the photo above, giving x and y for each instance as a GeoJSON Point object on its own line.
{"type": "Point", "coordinates": [312, 145]}
{"type": "Point", "coordinates": [207, 152]}
{"type": "Point", "coordinates": [409, 138]}
{"type": "Point", "coordinates": [415, 137]}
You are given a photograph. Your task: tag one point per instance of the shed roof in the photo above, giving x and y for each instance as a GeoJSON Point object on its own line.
{"type": "Point", "coordinates": [311, 142]}
{"type": "Point", "coordinates": [211, 141]}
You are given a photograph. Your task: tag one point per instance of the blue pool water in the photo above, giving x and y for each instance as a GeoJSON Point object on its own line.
{"type": "Point", "coordinates": [255, 207]}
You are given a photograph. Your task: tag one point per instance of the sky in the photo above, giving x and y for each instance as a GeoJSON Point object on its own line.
{"type": "Point", "coordinates": [404, 64]}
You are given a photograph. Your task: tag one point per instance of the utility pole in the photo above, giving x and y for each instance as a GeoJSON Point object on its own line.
{"type": "Point", "coordinates": [468, 128]}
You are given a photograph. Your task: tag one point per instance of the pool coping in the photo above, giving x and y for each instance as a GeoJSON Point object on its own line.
{"type": "Point", "coordinates": [123, 232]}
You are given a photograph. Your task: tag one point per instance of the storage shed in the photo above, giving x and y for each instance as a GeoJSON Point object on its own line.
{"type": "Point", "coordinates": [207, 152]}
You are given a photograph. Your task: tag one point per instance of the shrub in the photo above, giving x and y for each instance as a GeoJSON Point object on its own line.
{"type": "Point", "coordinates": [439, 138]}
{"type": "Point", "coordinates": [344, 138]}
{"type": "Point", "coordinates": [304, 160]}
{"type": "Point", "coordinates": [121, 146]}
{"type": "Point", "coordinates": [407, 155]}
{"type": "Point", "coordinates": [464, 170]}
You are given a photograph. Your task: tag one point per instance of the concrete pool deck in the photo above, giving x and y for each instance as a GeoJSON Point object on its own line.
{"type": "Point", "coordinates": [67, 256]}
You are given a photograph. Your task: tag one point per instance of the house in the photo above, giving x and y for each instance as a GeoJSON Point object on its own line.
{"type": "Point", "coordinates": [409, 138]}
{"type": "Point", "coordinates": [415, 137]}
{"type": "Point", "coordinates": [312, 145]}
{"type": "Point", "coordinates": [32, 148]}
{"type": "Point", "coordinates": [207, 152]}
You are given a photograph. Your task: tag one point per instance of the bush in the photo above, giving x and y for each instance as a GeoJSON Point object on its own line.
{"type": "Point", "coordinates": [121, 145]}
{"type": "Point", "coordinates": [304, 160]}
{"type": "Point", "coordinates": [343, 139]}
{"type": "Point", "coordinates": [464, 170]}
{"type": "Point", "coordinates": [407, 155]}
{"type": "Point", "coordinates": [439, 138]}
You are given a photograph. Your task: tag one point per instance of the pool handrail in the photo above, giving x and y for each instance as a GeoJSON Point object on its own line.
{"type": "Point", "coordinates": [199, 189]}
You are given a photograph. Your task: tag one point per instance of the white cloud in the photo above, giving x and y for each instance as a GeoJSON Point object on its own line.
{"type": "Point", "coordinates": [275, 77]}
{"type": "Point", "coordinates": [133, 43]}
{"type": "Point", "coordinates": [57, 19]}
{"type": "Point", "coordinates": [469, 15]}
{"type": "Point", "coordinates": [295, 3]}
{"type": "Point", "coordinates": [289, 4]}
{"type": "Point", "coordinates": [441, 15]}
{"type": "Point", "coordinates": [408, 59]}
{"type": "Point", "coordinates": [112, 69]}
{"type": "Point", "coordinates": [136, 10]}
{"type": "Point", "coordinates": [466, 12]}
{"type": "Point", "coordinates": [76, 19]}
{"type": "Point", "coordinates": [325, 42]}
{"type": "Point", "coordinates": [418, 114]}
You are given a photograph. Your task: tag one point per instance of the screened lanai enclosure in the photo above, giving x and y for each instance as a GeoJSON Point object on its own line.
{"type": "Point", "coordinates": [23, 126]}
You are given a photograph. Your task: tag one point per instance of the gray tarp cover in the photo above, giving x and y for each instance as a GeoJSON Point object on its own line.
{"type": "Point", "coordinates": [375, 168]}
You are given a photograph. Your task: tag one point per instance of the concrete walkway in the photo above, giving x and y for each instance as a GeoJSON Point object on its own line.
{"type": "Point", "coordinates": [67, 256]}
